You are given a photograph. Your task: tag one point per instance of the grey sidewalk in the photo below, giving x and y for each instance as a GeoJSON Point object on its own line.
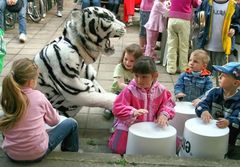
{"type": "Point", "coordinates": [94, 129]}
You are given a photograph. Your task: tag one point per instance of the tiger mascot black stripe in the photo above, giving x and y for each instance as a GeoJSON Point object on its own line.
{"type": "Point", "coordinates": [66, 76]}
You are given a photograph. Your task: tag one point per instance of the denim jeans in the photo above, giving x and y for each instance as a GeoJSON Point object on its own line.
{"type": "Point", "coordinates": [21, 16]}
{"type": "Point", "coordinates": [67, 133]}
{"type": "Point", "coordinates": [87, 3]}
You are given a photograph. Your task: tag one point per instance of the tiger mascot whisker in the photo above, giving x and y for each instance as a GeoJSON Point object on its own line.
{"type": "Point", "coordinates": [67, 77]}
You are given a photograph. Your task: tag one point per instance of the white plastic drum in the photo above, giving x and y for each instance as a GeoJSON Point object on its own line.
{"type": "Point", "coordinates": [204, 140]}
{"type": "Point", "coordinates": [149, 138]}
{"type": "Point", "coordinates": [184, 111]}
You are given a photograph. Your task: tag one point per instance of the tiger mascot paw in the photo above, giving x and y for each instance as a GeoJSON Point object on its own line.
{"type": "Point", "coordinates": [67, 77]}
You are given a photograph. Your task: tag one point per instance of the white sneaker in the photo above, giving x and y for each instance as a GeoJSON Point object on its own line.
{"type": "Point", "coordinates": [22, 38]}
{"type": "Point", "coordinates": [59, 14]}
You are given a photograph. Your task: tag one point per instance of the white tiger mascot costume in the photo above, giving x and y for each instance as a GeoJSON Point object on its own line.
{"type": "Point", "coordinates": [66, 78]}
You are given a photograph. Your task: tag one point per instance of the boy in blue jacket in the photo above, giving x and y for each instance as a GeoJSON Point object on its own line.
{"type": "Point", "coordinates": [222, 103]}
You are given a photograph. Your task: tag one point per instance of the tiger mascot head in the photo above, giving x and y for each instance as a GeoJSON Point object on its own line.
{"type": "Point", "coordinates": [90, 31]}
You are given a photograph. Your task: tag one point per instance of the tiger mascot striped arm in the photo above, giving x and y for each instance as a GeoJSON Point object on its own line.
{"type": "Point", "coordinates": [67, 77]}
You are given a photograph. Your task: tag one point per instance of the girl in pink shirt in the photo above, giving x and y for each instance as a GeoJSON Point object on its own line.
{"type": "Point", "coordinates": [143, 100]}
{"type": "Point", "coordinates": [156, 23]}
{"type": "Point", "coordinates": [26, 113]}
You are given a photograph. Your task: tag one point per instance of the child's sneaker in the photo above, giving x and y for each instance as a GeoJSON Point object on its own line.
{"type": "Point", "coordinates": [107, 114]}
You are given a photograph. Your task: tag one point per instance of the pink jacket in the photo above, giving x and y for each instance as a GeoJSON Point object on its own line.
{"type": "Point", "coordinates": [182, 9]}
{"type": "Point", "coordinates": [157, 100]}
{"type": "Point", "coordinates": [28, 139]}
{"type": "Point", "coordinates": [146, 5]}
{"type": "Point", "coordinates": [157, 18]}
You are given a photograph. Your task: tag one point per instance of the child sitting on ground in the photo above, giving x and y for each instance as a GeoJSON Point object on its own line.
{"type": "Point", "coordinates": [222, 103]}
{"type": "Point", "coordinates": [123, 71]}
{"type": "Point", "coordinates": [26, 112]}
{"type": "Point", "coordinates": [143, 100]}
{"type": "Point", "coordinates": [195, 81]}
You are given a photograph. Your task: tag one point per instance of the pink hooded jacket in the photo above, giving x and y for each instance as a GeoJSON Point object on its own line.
{"type": "Point", "coordinates": [158, 17]}
{"type": "Point", "coordinates": [157, 100]}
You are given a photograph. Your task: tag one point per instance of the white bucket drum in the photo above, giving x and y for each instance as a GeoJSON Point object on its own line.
{"type": "Point", "coordinates": [184, 111]}
{"type": "Point", "coordinates": [148, 138]}
{"type": "Point", "coordinates": [204, 140]}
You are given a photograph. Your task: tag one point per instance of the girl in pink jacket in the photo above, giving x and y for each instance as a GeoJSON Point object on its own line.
{"type": "Point", "coordinates": [156, 23]}
{"type": "Point", "coordinates": [143, 100]}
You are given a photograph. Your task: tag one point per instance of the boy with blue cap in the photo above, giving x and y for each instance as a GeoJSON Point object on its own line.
{"type": "Point", "coordinates": [223, 102]}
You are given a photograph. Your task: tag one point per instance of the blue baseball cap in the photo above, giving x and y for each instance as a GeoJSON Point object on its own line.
{"type": "Point", "coordinates": [232, 68]}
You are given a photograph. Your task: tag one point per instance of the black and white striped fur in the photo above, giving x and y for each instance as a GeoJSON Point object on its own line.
{"type": "Point", "coordinates": [66, 76]}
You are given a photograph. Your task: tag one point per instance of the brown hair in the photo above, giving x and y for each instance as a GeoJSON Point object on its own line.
{"type": "Point", "coordinates": [201, 54]}
{"type": "Point", "coordinates": [14, 102]}
{"type": "Point", "coordinates": [133, 49]}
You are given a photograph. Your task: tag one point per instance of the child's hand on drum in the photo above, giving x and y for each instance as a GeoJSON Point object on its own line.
{"type": "Point", "coordinates": [206, 116]}
{"type": "Point", "coordinates": [222, 123]}
{"type": "Point", "coordinates": [195, 102]}
{"type": "Point", "coordinates": [180, 95]}
{"type": "Point", "coordinates": [140, 112]}
{"type": "Point", "coordinates": [162, 120]}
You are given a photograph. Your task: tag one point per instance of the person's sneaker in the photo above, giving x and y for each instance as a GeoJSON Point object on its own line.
{"type": "Point", "coordinates": [80, 150]}
{"type": "Point", "coordinates": [22, 38]}
{"type": "Point", "coordinates": [107, 114]}
{"type": "Point", "coordinates": [59, 14]}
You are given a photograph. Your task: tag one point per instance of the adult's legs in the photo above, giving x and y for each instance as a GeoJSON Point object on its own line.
{"type": "Point", "coordinates": [59, 5]}
{"type": "Point", "coordinates": [183, 35]}
{"type": "Point", "coordinates": [172, 43]}
{"type": "Point", "coordinates": [85, 4]}
{"type": "Point", "coordinates": [144, 16]}
{"type": "Point", "coordinates": [22, 19]}
{"type": "Point", "coordinates": [128, 9]}
{"type": "Point", "coordinates": [67, 133]}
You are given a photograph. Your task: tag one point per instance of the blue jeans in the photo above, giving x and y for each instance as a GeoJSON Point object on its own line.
{"type": "Point", "coordinates": [21, 16]}
{"type": "Point", "coordinates": [86, 3]}
{"type": "Point", "coordinates": [67, 133]}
